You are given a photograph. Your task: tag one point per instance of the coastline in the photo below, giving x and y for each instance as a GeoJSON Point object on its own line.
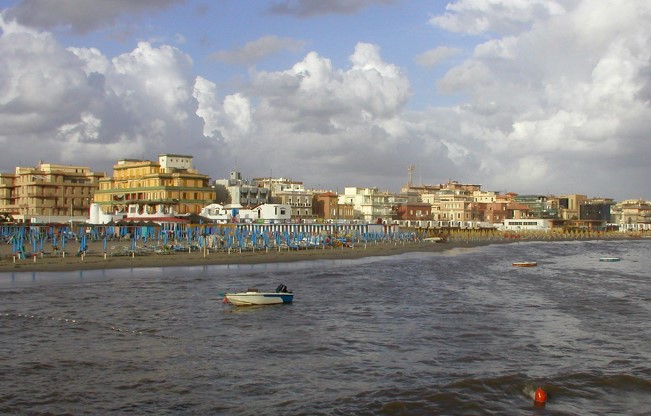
{"type": "Point", "coordinates": [95, 258]}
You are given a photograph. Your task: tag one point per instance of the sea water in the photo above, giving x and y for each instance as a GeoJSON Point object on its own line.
{"type": "Point", "coordinates": [456, 332]}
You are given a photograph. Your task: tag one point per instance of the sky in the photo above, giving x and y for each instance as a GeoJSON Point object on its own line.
{"type": "Point", "coordinates": [544, 97]}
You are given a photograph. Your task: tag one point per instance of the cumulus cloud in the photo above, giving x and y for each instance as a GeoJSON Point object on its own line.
{"type": "Point", "coordinates": [561, 97]}
{"type": "Point", "coordinates": [310, 8]}
{"type": "Point", "coordinates": [81, 16]}
{"type": "Point", "coordinates": [498, 16]}
{"type": "Point", "coordinates": [258, 49]}
{"type": "Point", "coordinates": [432, 57]}
{"type": "Point", "coordinates": [551, 100]}
{"type": "Point", "coordinates": [68, 105]}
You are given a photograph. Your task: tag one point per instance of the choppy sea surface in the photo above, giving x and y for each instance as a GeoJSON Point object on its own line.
{"type": "Point", "coordinates": [461, 332]}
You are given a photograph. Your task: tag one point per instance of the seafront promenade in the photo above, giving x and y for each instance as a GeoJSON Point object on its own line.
{"type": "Point", "coordinates": [47, 249]}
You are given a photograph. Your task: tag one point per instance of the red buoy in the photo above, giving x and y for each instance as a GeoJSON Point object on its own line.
{"type": "Point", "coordinates": [539, 397]}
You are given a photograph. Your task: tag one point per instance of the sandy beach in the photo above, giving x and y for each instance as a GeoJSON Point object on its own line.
{"type": "Point", "coordinates": [115, 258]}
{"type": "Point", "coordinates": [119, 256]}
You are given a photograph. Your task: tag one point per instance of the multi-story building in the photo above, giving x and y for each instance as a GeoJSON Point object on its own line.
{"type": "Point", "coordinates": [537, 204]}
{"type": "Point", "coordinates": [413, 211]}
{"type": "Point", "coordinates": [450, 206]}
{"type": "Point", "coordinates": [370, 204]}
{"type": "Point", "coordinates": [596, 209]}
{"type": "Point", "coordinates": [326, 205]}
{"type": "Point", "coordinates": [569, 206]}
{"type": "Point", "coordinates": [495, 212]}
{"type": "Point", "coordinates": [289, 192]}
{"type": "Point", "coordinates": [169, 186]}
{"type": "Point", "coordinates": [236, 191]}
{"type": "Point", "coordinates": [632, 214]}
{"type": "Point", "coordinates": [49, 192]}
{"type": "Point", "coordinates": [453, 186]}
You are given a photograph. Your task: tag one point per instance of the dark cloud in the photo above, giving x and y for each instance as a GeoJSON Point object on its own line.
{"type": "Point", "coordinates": [311, 8]}
{"type": "Point", "coordinates": [258, 49]}
{"type": "Point", "coordinates": [81, 16]}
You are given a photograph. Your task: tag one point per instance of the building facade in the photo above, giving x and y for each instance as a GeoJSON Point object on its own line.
{"type": "Point", "coordinates": [370, 204]}
{"type": "Point", "coordinates": [289, 192]}
{"type": "Point", "coordinates": [236, 191]}
{"type": "Point", "coordinates": [48, 192]}
{"type": "Point", "coordinates": [166, 187]}
{"type": "Point", "coordinates": [326, 206]}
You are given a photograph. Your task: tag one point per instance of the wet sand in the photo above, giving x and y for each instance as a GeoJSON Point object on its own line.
{"type": "Point", "coordinates": [95, 257]}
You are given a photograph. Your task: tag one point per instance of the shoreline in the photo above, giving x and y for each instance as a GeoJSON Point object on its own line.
{"type": "Point", "coordinates": [96, 259]}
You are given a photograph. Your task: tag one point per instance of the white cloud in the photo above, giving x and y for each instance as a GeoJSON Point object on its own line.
{"type": "Point", "coordinates": [554, 100]}
{"type": "Point", "coordinates": [433, 57]}
{"type": "Point", "coordinates": [498, 16]}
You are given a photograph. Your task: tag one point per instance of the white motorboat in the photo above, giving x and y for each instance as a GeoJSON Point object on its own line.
{"type": "Point", "coordinates": [253, 296]}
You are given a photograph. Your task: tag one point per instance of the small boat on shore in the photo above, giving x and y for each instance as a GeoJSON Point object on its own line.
{"type": "Point", "coordinates": [525, 264]}
{"type": "Point", "coordinates": [609, 259]}
{"type": "Point", "coordinates": [253, 296]}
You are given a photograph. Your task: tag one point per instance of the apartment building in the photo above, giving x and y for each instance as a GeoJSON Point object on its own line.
{"type": "Point", "coordinates": [168, 186]}
{"type": "Point", "coordinates": [325, 205]}
{"type": "Point", "coordinates": [632, 214]}
{"type": "Point", "coordinates": [48, 192]}
{"type": "Point", "coordinates": [369, 204]}
{"type": "Point", "coordinates": [286, 191]}
{"type": "Point", "coordinates": [236, 191]}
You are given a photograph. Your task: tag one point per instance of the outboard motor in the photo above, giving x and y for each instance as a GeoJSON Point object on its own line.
{"type": "Point", "coordinates": [281, 289]}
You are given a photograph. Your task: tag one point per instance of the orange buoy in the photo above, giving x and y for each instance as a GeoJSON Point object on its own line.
{"type": "Point", "coordinates": [539, 397]}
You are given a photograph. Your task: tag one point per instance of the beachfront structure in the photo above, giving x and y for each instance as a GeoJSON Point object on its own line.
{"type": "Point", "coordinates": [527, 224]}
{"type": "Point", "coordinates": [165, 187]}
{"type": "Point", "coordinates": [262, 214]}
{"type": "Point", "coordinates": [238, 192]}
{"type": "Point", "coordinates": [48, 193]}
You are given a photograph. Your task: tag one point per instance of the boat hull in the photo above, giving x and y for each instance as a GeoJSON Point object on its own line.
{"type": "Point", "coordinates": [609, 259]}
{"type": "Point", "coordinates": [525, 264]}
{"type": "Point", "coordinates": [258, 298]}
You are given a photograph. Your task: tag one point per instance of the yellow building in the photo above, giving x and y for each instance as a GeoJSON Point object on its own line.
{"type": "Point", "coordinates": [48, 192]}
{"type": "Point", "coordinates": [169, 186]}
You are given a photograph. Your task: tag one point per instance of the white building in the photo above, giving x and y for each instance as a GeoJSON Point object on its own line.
{"type": "Point", "coordinates": [369, 203]}
{"type": "Point", "coordinates": [526, 224]}
{"type": "Point", "coordinates": [265, 213]}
